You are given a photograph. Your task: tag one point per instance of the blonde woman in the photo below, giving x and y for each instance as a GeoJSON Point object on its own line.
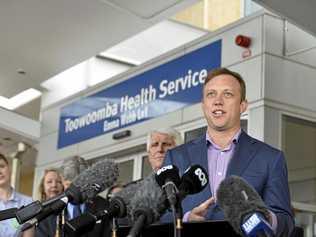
{"type": "Point", "coordinates": [50, 186]}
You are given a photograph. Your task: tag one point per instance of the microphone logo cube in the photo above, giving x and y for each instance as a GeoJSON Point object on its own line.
{"type": "Point", "coordinates": [201, 175]}
{"type": "Point", "coordinates": [252, 222]}
{"type": "Point", "coordinates": [163, 169]}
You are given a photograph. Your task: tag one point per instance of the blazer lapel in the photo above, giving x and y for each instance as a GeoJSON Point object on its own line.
{"type": "Point", "coordinates": [198, 155]}
{"type": "Point", "coordinates": [244, 153]}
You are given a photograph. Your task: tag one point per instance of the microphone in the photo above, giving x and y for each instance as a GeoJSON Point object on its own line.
{"type": "Point", "coordinates": [117, 208]}
{"type": "Point", "coordinates": [54, 208]}
{"type": "Point", "coordinates": [243, 208]}
{"type": "Point", "coordinates": [147, 205]}
{"type": "Point", "coordinates": [86, 222]}
{"type": "Point", "coordinates": [168, 179]}
{"type": "Point", "coordinates": [92, 181]}
{"type": "Point", "coordinates": [194, 180]}
{"type": "Point", "coordinates": [8, 213]}
{"type": "Point", "coordinates": [86, 186]}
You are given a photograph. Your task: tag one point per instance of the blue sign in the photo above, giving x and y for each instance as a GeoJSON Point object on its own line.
{"type": "Point", "coordinates": [160, 90]}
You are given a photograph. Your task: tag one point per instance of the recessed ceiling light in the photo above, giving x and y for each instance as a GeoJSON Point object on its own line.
{"type": "Point", "coordinates": [21, 71]}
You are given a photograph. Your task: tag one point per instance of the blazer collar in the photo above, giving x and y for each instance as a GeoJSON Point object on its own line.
{"type": "Point", "coordinates": [244, 153]}
{"type": "Point", "coordinates": [198, 152]}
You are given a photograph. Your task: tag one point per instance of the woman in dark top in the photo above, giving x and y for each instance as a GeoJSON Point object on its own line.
{"type": "Point", "coordinates": [50, 186]}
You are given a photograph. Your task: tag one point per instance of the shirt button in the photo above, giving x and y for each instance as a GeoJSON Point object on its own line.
{"type": "Point", "coordinates": [219, 173]}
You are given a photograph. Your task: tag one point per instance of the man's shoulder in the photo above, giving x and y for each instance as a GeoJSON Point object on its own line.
{"type": "Point", "coordinates": [197, 141]}
{"type": "Point", "coordinates": [262, 145]}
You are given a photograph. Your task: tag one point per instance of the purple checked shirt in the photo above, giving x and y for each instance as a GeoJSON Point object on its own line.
{"type": "Point", "coordinates": [218, 160]}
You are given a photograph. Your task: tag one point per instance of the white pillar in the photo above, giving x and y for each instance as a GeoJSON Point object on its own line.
{"type": "Point", "coordinates": [15, 173]}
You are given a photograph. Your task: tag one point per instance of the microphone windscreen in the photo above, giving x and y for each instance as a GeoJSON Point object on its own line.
{"type": "Point", "coordinates": [148, 198]}
{"type": "Point", "coordinates": [72, 167]}
{"type": "Point", "coordinates": [237, 199]}
{"type": "Point", "coordinates": [194, 180]}
{"type": "Point", "coordinates": [128, 192]}
{"type": "Point", "coordinates": [168, 173]}
{"type": "Point", "coordinates": [95, 179]}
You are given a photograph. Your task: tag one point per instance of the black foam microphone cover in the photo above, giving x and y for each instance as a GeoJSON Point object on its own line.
{"type": "Point", "coordinates": [87, 221]}
{"type": "Point", "coordinates": [168, 179]}
{"type": "Point", "coordinates": [194, 180]}
{"type": "Point", "coordinates": [168, 173]}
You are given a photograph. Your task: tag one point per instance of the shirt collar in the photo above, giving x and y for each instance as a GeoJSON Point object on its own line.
{"type": "Point", "coordinates": [234, 140]}
{"type": "Point", "coordinates": [13, 196]}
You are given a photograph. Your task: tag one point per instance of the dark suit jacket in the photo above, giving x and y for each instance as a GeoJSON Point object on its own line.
{"type": "Point", "coordinates": [47, 227]}
{"type": "Point", "coordinates": [259, 164]}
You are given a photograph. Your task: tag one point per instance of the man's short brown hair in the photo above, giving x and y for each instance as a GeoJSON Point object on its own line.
{"type": "Point", "coordinates": [225, 71]}
{"type": "Point", "coordinates": [2, 157]}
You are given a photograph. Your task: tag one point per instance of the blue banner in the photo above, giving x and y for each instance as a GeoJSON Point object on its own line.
{"type": "Point", "coordinates": [160, 90]}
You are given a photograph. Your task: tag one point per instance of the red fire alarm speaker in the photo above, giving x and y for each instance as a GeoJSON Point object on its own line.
{"type": "Point", "coordinates": [243, 41]}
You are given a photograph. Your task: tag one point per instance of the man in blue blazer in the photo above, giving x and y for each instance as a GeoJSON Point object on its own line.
{"type": "Point", "coordinates": [227, 150]}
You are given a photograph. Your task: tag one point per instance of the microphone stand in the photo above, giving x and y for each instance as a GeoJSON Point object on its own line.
{"type": "Point", "coordinates": [136, 228]}
{"type": "Point", "coordinates": [178, 214]}
{"type": "Point", "coordinates": [114, 227]}
{"type": "Point", "coordinates": [175, 205]}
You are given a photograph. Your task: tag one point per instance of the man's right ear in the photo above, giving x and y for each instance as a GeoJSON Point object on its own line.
{"type": "Point", "coordinates": [243, 106]}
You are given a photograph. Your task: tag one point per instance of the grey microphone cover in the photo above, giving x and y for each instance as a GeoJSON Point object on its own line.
{"type": "Point", "coordinates": [148, 197]}
{"type": "Point", "coordinates": [238, 199]}
{"type": "Point", "coordinates": [128, 192]}
{"type": "Point", "coordinates": [96, 178]}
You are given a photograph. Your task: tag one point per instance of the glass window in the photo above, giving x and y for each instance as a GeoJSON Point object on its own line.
{"type": "Point", "coordinates": [126, 171]}
{"type": "Point", "coordinates": [128, 161]}
{"type": "Point", "coordinates": [192, 134]}
{"type": "Point", "coordinates": [146, 168]}
{"type": "Point", "coordinates": [211, 14]}
{"type": "Point", "coordinates": [298, 144]}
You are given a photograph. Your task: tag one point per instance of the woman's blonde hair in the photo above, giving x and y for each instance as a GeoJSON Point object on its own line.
{"type": "Point", "coordinates": [41, 188]}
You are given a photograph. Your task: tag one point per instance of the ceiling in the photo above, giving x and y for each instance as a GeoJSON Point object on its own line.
{"type": "Point", "coordinates": [301, 13]}
{"type": "Point", "coordinates": [43, 38]}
